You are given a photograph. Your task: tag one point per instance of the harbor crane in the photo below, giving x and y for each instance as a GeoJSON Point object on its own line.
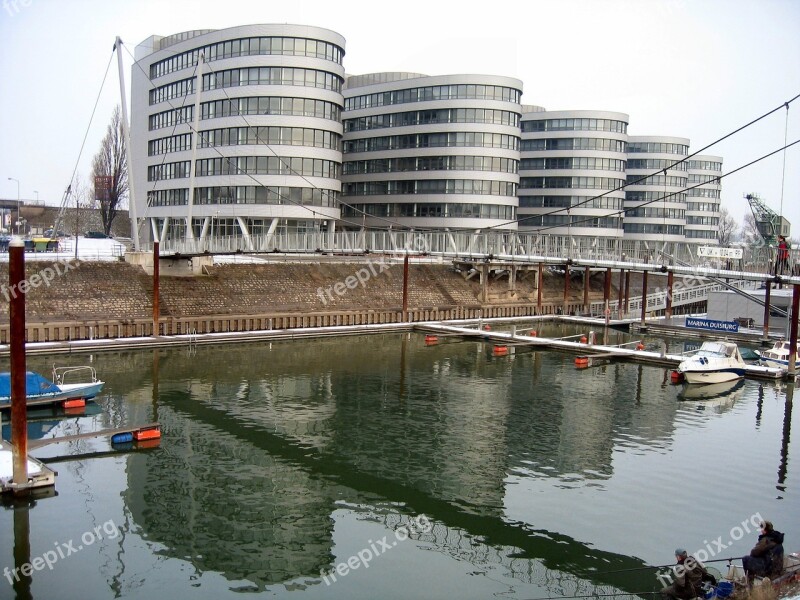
{"type": "Point", "coordinates": [768, 222]}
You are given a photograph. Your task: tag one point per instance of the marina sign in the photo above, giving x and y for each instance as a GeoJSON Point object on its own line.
{"type": "Point", "coordinates": [717, 252]}
{"type": "Point", "coordinates": [726, 326]}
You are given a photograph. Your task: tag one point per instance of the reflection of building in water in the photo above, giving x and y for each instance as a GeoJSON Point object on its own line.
{"type": "Point", "coordinates": [214, 498]}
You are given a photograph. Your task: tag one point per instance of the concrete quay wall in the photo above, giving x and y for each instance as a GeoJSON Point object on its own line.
{"type": "Point", "coordinates": [98, 300]}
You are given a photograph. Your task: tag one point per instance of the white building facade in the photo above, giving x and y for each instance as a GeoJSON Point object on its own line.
{"type": "Point", "coordinates": [258, 150]}
{"type": "Point", "coordinates": [655, 197]}
{"type": "Point", "coordinates": [572, 172]}
{"type": "Point", "coordinates": [431, 152]}
{"type": "Point", "coordinates": [703, 201]}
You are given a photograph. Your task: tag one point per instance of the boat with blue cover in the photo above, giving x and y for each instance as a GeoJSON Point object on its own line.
{"type": "Point", "coordinates": [41, 390]}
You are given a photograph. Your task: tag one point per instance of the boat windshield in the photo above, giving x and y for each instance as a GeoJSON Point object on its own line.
{"type": "Point", "coordinates": [714, 349]}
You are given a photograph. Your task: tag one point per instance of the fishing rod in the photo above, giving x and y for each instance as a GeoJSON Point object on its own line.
{"type": "Point", "coordinates": [616, 594]}
{"type": "Point", "coordinates": [665, 566]}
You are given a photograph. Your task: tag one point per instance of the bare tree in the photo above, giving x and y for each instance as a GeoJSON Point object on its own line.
{"type": "Point", "coordinates": [727, 227]}
{"type": "Point", "coordinates": [750, 232]}
{"type": "Point", "coordinates": [111, 162]}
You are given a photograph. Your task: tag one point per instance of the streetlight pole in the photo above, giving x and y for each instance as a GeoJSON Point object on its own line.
{"type": "Point", "coordinates": [37, 196]}
{"type": "Point", "coordinates": [18, 217]}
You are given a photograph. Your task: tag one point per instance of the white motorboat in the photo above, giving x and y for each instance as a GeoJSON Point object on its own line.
{"type": "Point", "coordinates": [778, 355]}
{"type": "Point", "coordinates": [714, 362]}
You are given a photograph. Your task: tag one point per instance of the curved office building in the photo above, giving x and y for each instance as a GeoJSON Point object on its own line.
{"type": "Point", "coordinates": [655, 199]}
{"type": "Point", "coordinates": [703, 202]}
{"type": "Point", "coordinates": [268, 154]}
{"type": "Point", "coordinates": [572, 172]}
{"type": "Point", "coordinates": [431, 152]}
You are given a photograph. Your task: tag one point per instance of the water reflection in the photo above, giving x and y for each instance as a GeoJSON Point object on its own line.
{"type": "Point", "coordinates": [269, 450]}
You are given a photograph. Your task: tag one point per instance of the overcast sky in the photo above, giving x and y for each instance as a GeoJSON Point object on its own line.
{"type": "Point", "coordinates": [689, 68]}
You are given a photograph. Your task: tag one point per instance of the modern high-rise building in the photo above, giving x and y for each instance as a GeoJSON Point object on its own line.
{"type": "Point", "coordinates": [431, 152]}
{"type": "Point", "coordinates": [703, 202]}
{"type": "Point", "coordinates": [256, 130]}
{"type": "Point", "coordinates": [572, 172]}
{"type": "Point", "coordinates": [655, 198]}
{"type": "Point", "coordinates": [238, 131]}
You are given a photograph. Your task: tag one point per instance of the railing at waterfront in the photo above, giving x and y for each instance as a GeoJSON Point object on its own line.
{"type": "Point", "coordinates": [755, 258]}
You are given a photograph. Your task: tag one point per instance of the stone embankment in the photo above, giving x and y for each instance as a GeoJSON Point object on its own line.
{"type": "Point", "coordinates": [114, 299]}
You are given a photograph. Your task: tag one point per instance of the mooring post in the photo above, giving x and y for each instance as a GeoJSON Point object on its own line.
{"type": "Point", "coordinates": [587, 279]}
{"type": "Point", "coordinates": [621, 292]}
{"type": "Point", "coordinates": [767, 293]}
{"type": "Point", "coordinates": [793, 330]}
{"type": "Point", "coordinates": [670, 284]}
{"type": "Point", "coordinates": [627, 291]}
{"type": "Point", "coordinates": [540, 282]}
{"type": "Point", "coordinates": [566, 287]}
{"type": "Point", "coordinates": [405, 287]}
{"type": "Point", "coordinates": [644, 297]}
{"type": "Point", "coordinates": [155, 289]}
{"type": "Point", "coordinates": [18, 286]}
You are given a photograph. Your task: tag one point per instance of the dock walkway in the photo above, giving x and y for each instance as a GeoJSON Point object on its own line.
{"type": "Point", "coordinates": [584, 349]}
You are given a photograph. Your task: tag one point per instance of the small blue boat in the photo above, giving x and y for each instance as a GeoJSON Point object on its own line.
{"type": "Point", "coordinates": [41, 390]}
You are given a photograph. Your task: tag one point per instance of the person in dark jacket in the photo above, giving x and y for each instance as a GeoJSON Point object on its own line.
{"type": "Point", "coordinates": [766, 557]}
{"type": "Point", "coordinates": [689, 575]}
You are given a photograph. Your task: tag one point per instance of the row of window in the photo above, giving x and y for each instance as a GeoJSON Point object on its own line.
{"type": "Point", "coordinates": [432, 209]}
{"type": "Point", "coordinates": [708, 221]}
{"type": "Point", "coordinates": [704, 193]}
{"type": "Point", "coordinates": [575, 125]}
{"type": "Point", "coordinates": [435, 92]}
{"type": "Point", "coordinates": [312, 78]}
{"type": "Point", "coordinates": [703, 234]}
{"type": "Point", "coordinates": [652, 164]}
{"type": "Point", "coordinates": [653, 228]}
{"type": "Point", "coordinates": [579, 202]}
{"type": "Point", "coordinates": [268, 165]}
{"type": "Point", "coordinates": [175, 170]}
{"type": "Point", "coordinates": [235, 107]}
{"type": "Point", "coordinates": [431, 186]}
{"type": "Point", "coordinates": [286, 136]}
{"type": "Point", "coordinates": [697, 178]}
{"type": "Point", "coordinates": [581, 162]}
{"type": "Point", "coordinates": [702, 207]}
{"type": "Point", "coordinates": [453, 139]}
{"type": "Point", "coordinates": [431, 163]}
{"type": "Point", "coordinates": [271, 105]}
{"type": "Point", "coordinates": [176, 89]}
{"type": "Point", "coordinates": [648, 212]}
{"type": "Point", "coordinates": [642, 196]}
{"type": "Point", "coordinates": [605, 144]}
{"type": "Point", "coordinates": [583, 183]}
{"type": "Point", "coordinates": [175, 143]}
{"type": "Point", "coordinates": [669, 180]}
{"type": "Point", "coordinates": [704, 165]}
{"type": "Point", "coordinates": [428, 117]}
{"type": "Point", "coordinates": [248, 47]}
{"type": "Point", "coordinates": [248, 194]}
{"type": "Point", "coordinates": [658, 147]}
{"type": "Point", "coordinates": [567, 220]}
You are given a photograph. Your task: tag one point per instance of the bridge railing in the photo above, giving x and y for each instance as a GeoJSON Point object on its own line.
{"type": "Point", "coordinates": [467, 244]}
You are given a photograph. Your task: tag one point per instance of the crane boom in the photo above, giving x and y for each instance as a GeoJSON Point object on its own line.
{"type": "Point", "coordinates": [768, 222]}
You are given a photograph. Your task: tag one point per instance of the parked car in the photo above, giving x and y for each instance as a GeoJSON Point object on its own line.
{"type": "Point", "coordinates": [97, 235]}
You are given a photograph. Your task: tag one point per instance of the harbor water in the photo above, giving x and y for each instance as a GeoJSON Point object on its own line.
{"type": "Point", "coordinates": [382, 466]}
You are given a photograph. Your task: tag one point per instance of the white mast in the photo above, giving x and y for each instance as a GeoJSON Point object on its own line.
{"type": "Point", "coordinates": [126, 132]}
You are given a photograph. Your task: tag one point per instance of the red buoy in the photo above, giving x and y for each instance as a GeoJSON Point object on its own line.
{"type": "Point", "coordinates": [582, 362]}
{"type": "Point", "coordinates": [583, 339]}
{"type": "Point", "coordinates": [431, 339]}
{"type": "Point", "coordinates": [640, 346]}
{"type": "Point", "coordinates": [533, 333]}
{"type": "Point", "coordinates": [676, 376]}
{"type": "Point", "coordinates": [500, 350]}
{"type": "Point", "coordinates": [487, 328]}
